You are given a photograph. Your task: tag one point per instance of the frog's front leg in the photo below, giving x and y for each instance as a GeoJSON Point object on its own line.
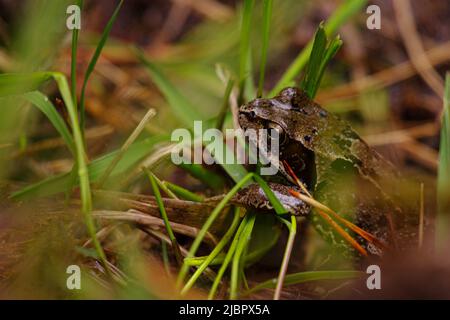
{"type": "Point", "coordinates": [254, 197]}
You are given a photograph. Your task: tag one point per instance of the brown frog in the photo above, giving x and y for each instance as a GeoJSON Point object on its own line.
{"type": "Point", "coordinates": [335, 164]}
{"type": "Point", "coordinates": [338, 166]}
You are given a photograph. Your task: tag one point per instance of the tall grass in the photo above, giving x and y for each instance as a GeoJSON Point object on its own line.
{"type": "Point", "coordinates": [74, 60]}
{"type": "Point", "coordinates": [337, 19]}
{"type": "Point", "coordinates": [33, 81]}
{"type": "Point", "coordinates": [268, 6]}
{"type": "Point", "coordinates": [245, 48]}
{"type": "Point", "coordinates": [93, 62]}
{"type": "Point", "coordinates": [443, 184]}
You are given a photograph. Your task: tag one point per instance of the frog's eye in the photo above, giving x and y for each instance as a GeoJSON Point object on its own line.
{"type": "Point", "coordinates": [281, 133]}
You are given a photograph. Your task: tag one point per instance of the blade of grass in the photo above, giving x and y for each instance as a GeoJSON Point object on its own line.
{"type": "Point", "coordinates": [165, 256]}
{"type": "Point", "coordinates": [162, 210]}
{"type": "Point", "coordinates": [57, 184]}
{"type": "Point", "coordinates": [93, 62]}
{"type": "Point", "coordinates": [443, 183]}
{"type": "Point", "coordinates": [182, 192]}
{"type": "Point", "coordinates": [24, 82]}
{"type": "Point", "coordinates": [19, 83]}
{"type": "Point", "coordinates": [74, 60]}
{"type": "Point", "coordinates": [46, 107]}
{"type": "Point", "coordinates": [217, 250]}
{"type": "Point", "coordinates": [181, 106]}
{"type": "Point", "coordinates": [225, 105]}
{"type": "Point", "coordinates": [287, 256]}
{"type": "Point", "coordinates": [201, 234]}
{"type": "Point", "coordinates": [338, 18]}
{"type": "Point", "coordinates": [163, 186]}
{"type": "Point", "coordinates": [421, 215]}
{"type": "Point", "coordinates": [240, 247]}
{"type": "Point", "coordinates": [302, 277]}
{"type": "Point", "coordinates": [251, 257]}
{"type": "Point", "coordinates": [228, 258]}
{"type": "Point", "coordinates": [83, 175]}
{"type": "Point", "coordinates": [131, 139]}
{"type": "Point", "coordinates": [194, 247]}
{"type": "Point", "coordinates": [315, 60]}
{"type": "Point", "coordinates": [250, 88]}
{"type": "Point", "coordinates": [211, 179]}
{"type": "Point", "coordinates": [318, 70]}
{"type": "Point", "coordinates": [245, 48]}
{"type": "Point", "coordinates": [187, 112]}
{"type": "Point", "coordinates": [268, 5]}
{"type": "Point", "coordinates": [235, 170]}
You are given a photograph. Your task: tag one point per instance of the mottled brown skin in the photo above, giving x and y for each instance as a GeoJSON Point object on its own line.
{"type": "Point", "coordinates": [254, 197]}
{"type": "Point", "coordinates": [324, 150]}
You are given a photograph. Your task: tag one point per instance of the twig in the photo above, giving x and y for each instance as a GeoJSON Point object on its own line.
{"type": "Point", "coordinates": [422, 153]}
{"type": "Point", "coordinates": [140, 218]}
{"type": "Point", "coordinates": [411, 38]}
{"type": "Point", "coordinates": [209, 8]}
{"type": "Point", "coordinates": [402, 135]}
{"type": "Point", "coordinates": [386, 77]}
{"type": "Point", "coordinates": [287, 256]}
{"type": "Point", "coordinates": [150, 114]}
{"type": "Point", "coordinates": [422, 214]}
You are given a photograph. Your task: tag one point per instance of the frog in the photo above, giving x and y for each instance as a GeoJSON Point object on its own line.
{"type": "Point", "coordinates": [338, 167]}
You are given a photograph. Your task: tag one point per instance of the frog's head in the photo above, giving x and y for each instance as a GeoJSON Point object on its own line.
{"type": "Point", "coordinates": [273, 113]}
{"type": "Point", "coordinates": [288, 113]}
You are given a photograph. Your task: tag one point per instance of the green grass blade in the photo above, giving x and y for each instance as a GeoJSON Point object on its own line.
{"type": "Point", "coordinates": [46, 107]}
{"type": "Point", "coordinates": [57, 184]}
{"type": "Point", "coordinates": [339, 17]}
{"type": "Point", "coordinates": [183, 193]}
{"type": "Point", "coordinates": [210, 178]}
{"type": "Point", "coordinates": [443, 183]}
{"type": "Point", "coordinates": [240, 247]}
{"type": "Point", "coordinates": [322, 52]}
{"type": "Point", "coordinates": [182, 107]}
{"type": "Point", "coordinates": [165, 255]}
{"type": "Point", "coordinates": [271, 196]}
{"type": "Point", "coordinates": [162, 210]}
{"type": "Point", "coordinates": [245, 48]}
{"type": "Point", "coordinates": [74, 60]}
{"type": "Point", "coordinates": [228, 258]}
{"type": "Point", "coordinates": [216, 251]}
{"type": "Point", "coordinates": [331, 51]}
{"type": "Point", "coordinates": [225, 105]}
{"type": "Point", "coordinates": [83, 173]}
{"type": "Point", "coordinates": [268, 5]}
{"type": "Point", "coordinates": [215, 213]}
{"type": "Point", "coordinates": [186, 112]}
{"type": "Point", "coordinates": [93, 62]}
{"type": "Point", "coordinates": [235, 170]}
{"type": "Point", "coordinates": [308, 276]}
{"type": "Point", "coordinates": [315, 60]}
{"type": "Point", "coordinates": [163, 186]}
{"type": "Point", "coordinates": [134, 135]}
{"type": "Point", "coordinates": [19, 83]}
